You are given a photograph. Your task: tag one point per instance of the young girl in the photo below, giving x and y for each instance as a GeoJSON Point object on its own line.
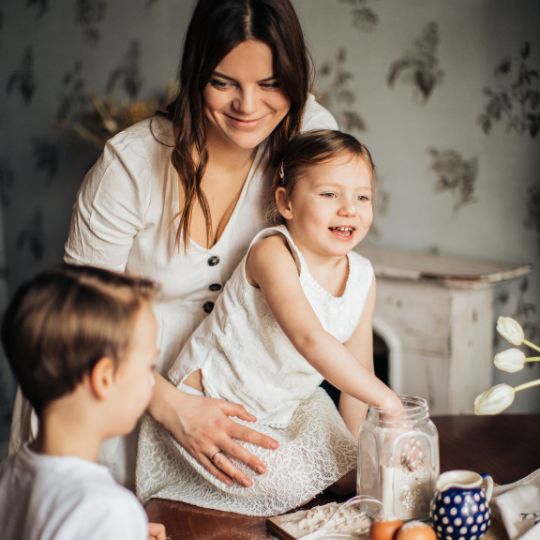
{"type": "Point", "coordinates": [297, 309]}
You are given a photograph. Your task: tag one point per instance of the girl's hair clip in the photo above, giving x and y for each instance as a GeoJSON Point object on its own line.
{"type": "Point", "coordinates": [281, 171]}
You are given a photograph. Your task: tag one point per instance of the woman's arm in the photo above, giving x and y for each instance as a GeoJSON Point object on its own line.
{"type": "Point", "coordinates": [110, 208]}
{"type": "Point", "coordinates": [272, 268]}
{"type": "Point", "coordinates": [202, 426]}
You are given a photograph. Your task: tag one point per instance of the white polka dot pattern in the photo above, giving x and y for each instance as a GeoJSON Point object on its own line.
{"type": "Point", "coordinates": [459, 514]}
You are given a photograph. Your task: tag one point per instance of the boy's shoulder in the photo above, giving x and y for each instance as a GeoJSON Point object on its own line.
{"type": "Point", "coordinates": [71, 477]}
{"type": "Point", "coordinates": [68, 491]}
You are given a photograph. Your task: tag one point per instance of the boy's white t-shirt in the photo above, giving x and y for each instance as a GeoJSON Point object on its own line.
{"type": "Point", "coordinates": [51, 497]}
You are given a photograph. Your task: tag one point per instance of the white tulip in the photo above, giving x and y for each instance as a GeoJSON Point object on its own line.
{"type": "Point", "coordinates": [511, 360]}
{"type": "Point", "coordinates": [510, 330]}
{"type": "Point", "coordinates": [494, 400]}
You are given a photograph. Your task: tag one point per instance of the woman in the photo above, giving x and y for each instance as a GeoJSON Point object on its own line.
{"type": "Point", "coordinates": [179, 197]}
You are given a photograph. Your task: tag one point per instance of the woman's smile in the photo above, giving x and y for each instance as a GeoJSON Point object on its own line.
{"type": "Point", "coordinates": [243, 100]}
{"type": "Point", "coordinates": [245, 123]}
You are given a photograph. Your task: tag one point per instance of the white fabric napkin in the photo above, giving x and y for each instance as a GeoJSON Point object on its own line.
{"type": "Point", "coordinates": [518, 506]}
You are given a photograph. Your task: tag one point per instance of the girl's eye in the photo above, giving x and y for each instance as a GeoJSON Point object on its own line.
{"type": "Point", "coordinates": [328, 194]}
{"type": "Point", "coordinates": [363, 198]}
{"type": "Point", "coordinates": [220, 84]}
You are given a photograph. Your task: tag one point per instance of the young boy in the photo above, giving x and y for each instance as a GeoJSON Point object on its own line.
{"type": "Point", "coordinates": [82, 344]}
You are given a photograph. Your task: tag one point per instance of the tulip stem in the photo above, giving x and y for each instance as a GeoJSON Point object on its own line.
{"type": "Point", "coordinates": [532, 359]}
{"type": "Point", "coordinates": [527, 385]}
{"type": "Point", "coordinates": [531, 345]}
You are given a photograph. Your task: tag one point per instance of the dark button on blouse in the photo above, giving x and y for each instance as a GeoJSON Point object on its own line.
{"type": "Point", "coordinates": [213, 260]}
{"type": "Point", "coordinates": [208, 307]}
{"type": "Point", "coordinates": [215, 287]}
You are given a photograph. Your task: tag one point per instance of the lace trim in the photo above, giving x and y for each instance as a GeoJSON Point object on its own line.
{"type": "Point", "coordinates": [316, 450]}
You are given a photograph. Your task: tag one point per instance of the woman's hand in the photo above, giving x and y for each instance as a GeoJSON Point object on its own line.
{"type": "Point", "coordinates": [203, 427]}
{"type": "Point", "coordinates": [156, 531]}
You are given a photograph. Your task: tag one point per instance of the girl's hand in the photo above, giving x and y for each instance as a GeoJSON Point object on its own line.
{"type": "Point", "coordinates": [413, 453]}
{"type": "Point", "coordinates": [392, 406]}
{"type": "Point", "coordinates": [156, 531]}
{"type": "Point", "coordinates": [203, 427]}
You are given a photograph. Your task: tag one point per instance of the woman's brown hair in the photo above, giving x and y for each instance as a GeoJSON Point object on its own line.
{"type": "Point", "coordinates": [217, 27]}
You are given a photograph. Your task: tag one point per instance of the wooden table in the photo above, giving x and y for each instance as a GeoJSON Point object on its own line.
{"type": "Point", "coordinates": [506, 446]}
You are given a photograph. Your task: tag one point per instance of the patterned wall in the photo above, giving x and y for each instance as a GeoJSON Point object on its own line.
{"type": "Point", "coordinates": [447, 97]}
{"type": "Point", "coordinates": [6, 387]}
{"type": "Point", "coordinates": [446, 94]}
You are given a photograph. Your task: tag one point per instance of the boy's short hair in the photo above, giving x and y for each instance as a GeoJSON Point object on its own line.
{"type": "Point", "coordinates": [61, 322]}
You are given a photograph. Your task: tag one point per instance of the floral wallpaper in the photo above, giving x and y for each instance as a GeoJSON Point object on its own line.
{"type": "Point", "coordinates": [334, 89]}
{"type": "Point", "coordinates": [6, 385]}
{"type": "Point", "coordinates": [362, 13]}
{"type": "Point", "coordinates": [456, 174]}
{"type": "Point", "coordinates": [514, 98]}
{"type": "Point", "coordinates": [22, 79]}
{"type": "Point", "coordinates": [445, 94]}
{"type": "Point", "coordinates": [419, 67]}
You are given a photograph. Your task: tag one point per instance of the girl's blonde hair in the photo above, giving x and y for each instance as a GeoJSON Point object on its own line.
{"type": "Point", "coordinates": [308, 149]}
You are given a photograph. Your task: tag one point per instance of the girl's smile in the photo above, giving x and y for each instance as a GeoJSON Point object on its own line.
{"type": "Point", "coordinates": [344, 233]}
{"type": "Point", "coordinates": [330, 208]}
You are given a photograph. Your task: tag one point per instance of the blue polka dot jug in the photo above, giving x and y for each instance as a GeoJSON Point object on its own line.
{"type": "Point", "coordinates": [460, 507]}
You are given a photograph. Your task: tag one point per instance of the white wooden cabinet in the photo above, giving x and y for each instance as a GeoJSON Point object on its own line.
{"type": "Point", "coordinates": [435, 314]}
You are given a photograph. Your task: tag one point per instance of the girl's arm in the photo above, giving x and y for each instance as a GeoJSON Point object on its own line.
{"type": "Point", "coordinates": [271, 267]}
{"type": "Point", "coordinates": [360, 344]}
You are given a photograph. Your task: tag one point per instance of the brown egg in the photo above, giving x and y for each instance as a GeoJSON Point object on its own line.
{"type": "Point", "coordinates": [384, 529]}
{"type": "Point", "coordinates": [415, 530]}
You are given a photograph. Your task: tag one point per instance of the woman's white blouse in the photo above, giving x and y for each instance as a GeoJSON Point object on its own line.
{"type": "Point", "coordinates": [125, 219]}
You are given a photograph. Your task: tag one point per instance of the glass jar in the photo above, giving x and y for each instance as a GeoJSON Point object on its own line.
{"type": "Point", "coordinates": [398, 459]}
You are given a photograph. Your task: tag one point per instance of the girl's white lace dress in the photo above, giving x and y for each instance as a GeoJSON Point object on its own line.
{"type": "Point", "coordinates": [245, 357]}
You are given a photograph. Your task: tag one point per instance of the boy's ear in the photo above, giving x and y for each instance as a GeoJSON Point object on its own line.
{"type": "Point", "coordinates": [102, 377]}
{"type": "Point", "coordinates": [282, 203]}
